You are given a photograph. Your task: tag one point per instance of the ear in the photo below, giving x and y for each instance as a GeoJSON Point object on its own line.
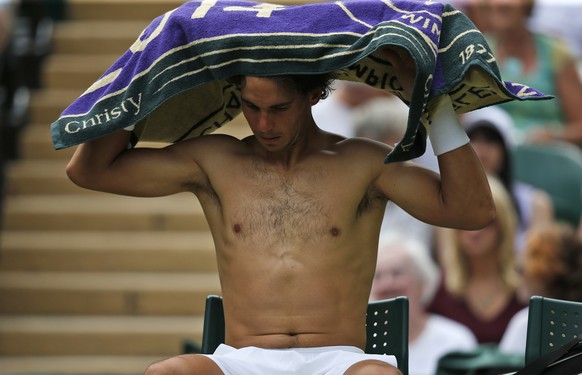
{"type": "Point", "coordinates": [315, 96]}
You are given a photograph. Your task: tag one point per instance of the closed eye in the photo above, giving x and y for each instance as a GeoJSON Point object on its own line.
{"type": "Point", "coordinates": [280, 108]}
{"type": "Point", "coordinates": [250, 105]}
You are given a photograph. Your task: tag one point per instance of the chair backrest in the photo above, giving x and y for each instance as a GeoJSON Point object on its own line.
{"type": "Point", "coordinates": [551, 324]}
{"type": "Point", "coordinates": [213, 331]}
{"type": "Point", "coordinates": [555, 168]}
{"type": "Point", "coordinates": [386, 328]}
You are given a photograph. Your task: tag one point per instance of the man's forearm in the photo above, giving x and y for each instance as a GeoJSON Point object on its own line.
{"type": "Point", "coordinates": [464, 186]}
{"type": "Point", "coordinates": [465, 189]}
{"type": "Point", "coordinates": [92, 158]}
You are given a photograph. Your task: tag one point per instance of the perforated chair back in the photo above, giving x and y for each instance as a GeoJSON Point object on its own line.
{"type": "Point", "coordinates": [213, 330]}
{"type": "Point", "coordinates": [386, 328]}
{"type": "Point", "coordinates": [551, 324]}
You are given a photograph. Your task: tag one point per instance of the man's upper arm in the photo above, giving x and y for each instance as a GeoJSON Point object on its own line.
{"type": "Point", "coordinates": [457, 198]}
{"type": "Point", "coordinates": [413, 188]}
{"type": "Point", "coordinates": [97, 165]}
{"type": "Point", "coordinates": [157, 172]}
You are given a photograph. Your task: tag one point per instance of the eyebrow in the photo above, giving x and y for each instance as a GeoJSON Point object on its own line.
{"type": "Point", "coordinates": [274, 106]}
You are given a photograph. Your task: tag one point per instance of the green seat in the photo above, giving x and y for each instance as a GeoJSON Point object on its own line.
{"type": "Point", "coordinates": [556, 168]}
{"type": "Point", "coordinates": [551, 324]}
{"type": "Point", "coordinates": [213, 330]}
{"type": "Point", "coordinates": [386, 328]}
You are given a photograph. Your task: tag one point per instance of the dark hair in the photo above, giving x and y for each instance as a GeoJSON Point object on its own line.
{"type": "Point", "coordinates": [487, 131]}
{"type": "Point", "coordinates": [302, 83]}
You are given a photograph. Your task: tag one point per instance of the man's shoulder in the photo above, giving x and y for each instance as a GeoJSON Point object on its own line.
{"type": "Point", "coordinates": [361, 144]}
{"type": "Point", "coordinates": [211, 149]}
{"type": "Point", "coordinates": [215, 142]}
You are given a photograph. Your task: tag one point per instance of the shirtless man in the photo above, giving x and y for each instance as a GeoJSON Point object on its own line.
{"type": "Point", "coordinates": [295, 213]}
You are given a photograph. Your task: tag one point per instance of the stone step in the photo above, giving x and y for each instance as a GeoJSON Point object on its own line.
{"type": "Point", "coordinates": [69, 71]}
{"type": "Point", "coordinates": [96, 335]}
{"type": "Point", "coordinates": [37, 176]}
{"type": "Point", "coordinates": [75, 365]}
{"type": "Point", "coordinates": [47, 105]}
{"type": "Point", "coordinates": [94, 38]}
{"type": "Point", "coordinates": [119, 10]}
{"type": "Point", "coordinates": [105, 293]}
{"type": "Point", "coordinates": [106, 212]}
{"type": "Point", "coordinates": [95, 251]}
{"type": "Point", "coordinates": [36, 144]}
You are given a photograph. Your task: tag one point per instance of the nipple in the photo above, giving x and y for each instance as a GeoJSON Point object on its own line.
{"type": "Point", "coordinates": [236, 228]}
{"type": "Point", "coordinates": [335, 231]}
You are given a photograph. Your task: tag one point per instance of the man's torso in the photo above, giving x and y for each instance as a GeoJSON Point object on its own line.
{"type": "Point", "coordinates": [296, 248]}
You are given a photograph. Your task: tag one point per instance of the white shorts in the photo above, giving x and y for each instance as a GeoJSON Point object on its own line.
{"type": "Point", "coordinates": [329, 360]}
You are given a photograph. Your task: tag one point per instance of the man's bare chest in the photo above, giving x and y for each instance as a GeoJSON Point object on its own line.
{"type": "Point", "coordinates": [303, 205]}
{"type": "Point", "coordinates": [297, 206]}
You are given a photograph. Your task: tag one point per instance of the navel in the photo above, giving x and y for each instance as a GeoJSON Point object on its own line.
{"type": "Point", "coordinates": [335, 231]}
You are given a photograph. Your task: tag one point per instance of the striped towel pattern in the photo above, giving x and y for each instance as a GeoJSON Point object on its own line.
{"type": "Point", "coordinates": [172, 82]}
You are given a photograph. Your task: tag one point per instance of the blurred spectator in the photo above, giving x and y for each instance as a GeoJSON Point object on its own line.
{"type": "Point", "coordinates": [480, 280]}
{"type": "Point", "coordinates": [537, 60]}
{"type": "Point", "coordinates": [27, 45]}
{"type": "Point", "coordinates": [490, 130]}
{"type": "Point", "coordinates": [551, 267]}
{"type": "Point", "coordinates": [335, 113]}
{"type": "Point", "coordinates": [6, 23]}
{"type": "Point", "coordinates": [404, 268]}
{"type": "Point", "coordinates": [6, 15]}
{"type": "Point", "coordinates": [385, 119]}
{"type": "Point", "coordinates": [560, 18]}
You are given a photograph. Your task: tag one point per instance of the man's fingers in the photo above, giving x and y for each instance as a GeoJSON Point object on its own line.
{"type": "Point", "coordinates": [403, 65]}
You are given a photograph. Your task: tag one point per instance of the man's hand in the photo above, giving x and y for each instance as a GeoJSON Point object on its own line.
{"type": "Point", "coordinates": [403, 65]}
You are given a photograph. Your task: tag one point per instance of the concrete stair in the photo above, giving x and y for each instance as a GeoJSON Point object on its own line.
{"type": "Point", "coordinates": [101, 293]}
{"type": "Point", "coordinates": [92, 283]}
{"type": "Point", "coordinates": [71, 71]}
{"type": "Point", "coordinates": [102, 212]}
{"type": "Point", "coordinates": [96, 335]}
{"type": "Point", "coordinates": [107, 251]}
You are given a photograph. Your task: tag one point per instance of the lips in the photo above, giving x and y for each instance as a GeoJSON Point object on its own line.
{"type": "Point", "coordinates": [269, 138]}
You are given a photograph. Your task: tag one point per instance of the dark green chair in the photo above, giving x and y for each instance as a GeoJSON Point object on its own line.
{"type": "Point", "coordinates": [551, 324]}
{"type": "Point", "coordinates": [386, 328]}
{"type": "Point", "coordinates": [556, 168]}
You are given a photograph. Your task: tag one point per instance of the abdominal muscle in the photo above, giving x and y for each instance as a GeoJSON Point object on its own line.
{"type": "Point", "coordinates": [289, 299]}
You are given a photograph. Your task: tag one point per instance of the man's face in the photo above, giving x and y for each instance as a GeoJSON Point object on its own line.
{"type": "Point", "coordinates": [277, 116]}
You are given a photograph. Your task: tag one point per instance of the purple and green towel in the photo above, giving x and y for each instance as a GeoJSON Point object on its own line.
{"type": "Point", "coordinates": [172, 83]}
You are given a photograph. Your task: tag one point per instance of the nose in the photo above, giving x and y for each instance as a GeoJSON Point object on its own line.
{"type": "Point", "coordinates": [264, 123]}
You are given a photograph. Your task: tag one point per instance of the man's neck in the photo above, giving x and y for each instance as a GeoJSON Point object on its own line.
{"type": "Point", "coordinates": [305, 144]}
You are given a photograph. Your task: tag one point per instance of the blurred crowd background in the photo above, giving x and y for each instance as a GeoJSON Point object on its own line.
{"type": "Point", "coordinates": [465, 288]}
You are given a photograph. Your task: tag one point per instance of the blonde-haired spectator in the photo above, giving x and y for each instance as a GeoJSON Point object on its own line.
{"type": "Point", "coordinates": [405, 268]}
{"type": "Point", "coordinates": [491, 131]}
{"type": "Point", "coordinates": [480, 280]}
